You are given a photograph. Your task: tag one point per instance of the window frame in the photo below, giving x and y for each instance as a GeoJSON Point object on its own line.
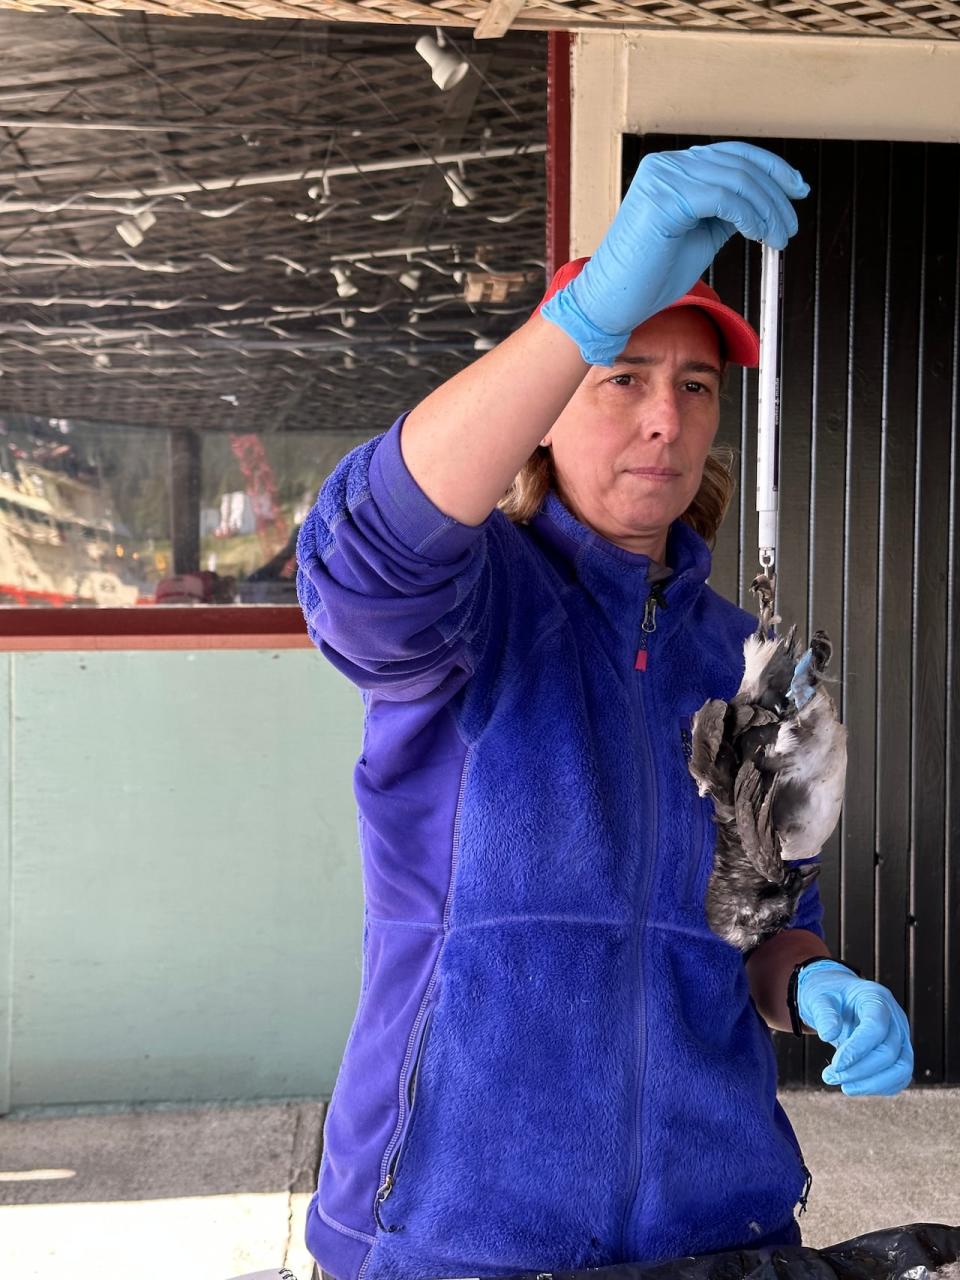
{"type": "Point", "coordinates": [230, 626]}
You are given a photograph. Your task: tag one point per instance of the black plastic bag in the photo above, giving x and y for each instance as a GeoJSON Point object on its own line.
{"type": "Point", "coordinates": [922, 1251]}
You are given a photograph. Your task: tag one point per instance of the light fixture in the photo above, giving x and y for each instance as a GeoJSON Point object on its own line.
{"type": "Point", "coordinates": [410, 280]}
{"type": "Point", "coordinates": [446, 68]}
{"type": "Point", "coordinates": [460, 192]}
{"type": "Point", "coordinates": [132, 229]}
{"type": "Point", "coordinates": [483, 344]}
{"type": "Point", "coordinates": [344, 287]}
{"type": "Point", "coordinates": [321, 192]}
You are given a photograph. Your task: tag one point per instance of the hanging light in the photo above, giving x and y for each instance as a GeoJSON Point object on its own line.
{"type": "Point", "coordinates": [410, 280]}
{"type": "Point", "coordinates": [321, 192]}
{"type": "Point", "coordinates": [132, 229]}
{"type": "Point", "coordinates": [459, 191]}
{"type": "Point", "coordinates": [446, 67]}
{"type": "Point", "coordinates": [345, 289]}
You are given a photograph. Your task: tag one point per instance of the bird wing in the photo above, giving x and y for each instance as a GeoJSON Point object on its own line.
{"type": "Point", "coordinates": [753, 809]}
{"type": "Point", "coordinates": [706, 735]}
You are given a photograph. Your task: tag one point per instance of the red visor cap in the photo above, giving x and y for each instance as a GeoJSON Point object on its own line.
{"type": "Point", "coordinates": [739, 336]}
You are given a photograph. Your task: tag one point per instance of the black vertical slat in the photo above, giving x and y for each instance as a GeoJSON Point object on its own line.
{"type": "Point", "coordinates": [834, 195]}
{"type": "Point", "coordinates": [859, 692]}
{"type": "Point", "coordinates": [729, 277]}
{"type": "Point", "coordinates": [951, 998]}
{"type": "Point", "coordinates": [929, 691]}
{"type": "Point", "coordinates": [896, 577]}
{"type": "Point", "coordinates": [793, 552]}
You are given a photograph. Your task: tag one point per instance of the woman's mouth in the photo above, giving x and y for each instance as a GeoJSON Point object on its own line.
{"type": "Point", "coordinates": [653, 473]}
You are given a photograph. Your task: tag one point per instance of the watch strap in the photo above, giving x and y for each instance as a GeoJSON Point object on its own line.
{"type": "Point", "coordinates": [796, 1022]}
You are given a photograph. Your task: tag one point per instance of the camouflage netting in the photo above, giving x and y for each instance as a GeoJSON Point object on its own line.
{"type": "Point", "coordinates": [258, 226]}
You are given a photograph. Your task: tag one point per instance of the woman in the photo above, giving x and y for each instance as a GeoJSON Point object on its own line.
{"type": "Point", "coordinates": [554, 1063]}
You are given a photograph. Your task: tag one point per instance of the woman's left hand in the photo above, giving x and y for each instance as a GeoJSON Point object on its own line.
{"type": "Point", "coordinates": [865, 1023]}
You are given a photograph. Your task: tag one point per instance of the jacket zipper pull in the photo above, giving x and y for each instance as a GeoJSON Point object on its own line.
{"type": "Point", "coordinates": [649, 625]}
{"type": "Point", "coordinates": [382, 1194]}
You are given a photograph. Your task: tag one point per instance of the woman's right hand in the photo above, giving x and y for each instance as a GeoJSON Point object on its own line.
{"type": "Point", "coordinates": [681, 208]}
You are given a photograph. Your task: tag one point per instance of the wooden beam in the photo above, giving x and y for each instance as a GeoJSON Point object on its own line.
{"type": "Point", "coordinates": [498, 19]}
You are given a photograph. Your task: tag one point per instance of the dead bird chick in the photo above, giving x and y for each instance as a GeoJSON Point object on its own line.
{"type": "Point", "coordinates": [774, 762]}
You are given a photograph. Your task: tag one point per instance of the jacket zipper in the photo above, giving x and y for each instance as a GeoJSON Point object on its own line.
{"type": "Point", "coordinates": [648, 627]}
{"type": "Point", "coordinates": [393, 1159]}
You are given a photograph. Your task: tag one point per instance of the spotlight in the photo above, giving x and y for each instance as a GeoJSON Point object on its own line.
{"type": "Point", "coordinates": [344, 288]}
{"type": "Point", "coordinates": [447, 69]}
{"type": "Point", "coordinates": [132, 229]}
{"type": "Point", "coordinates": [321, 192]}
{"type": "Point", "coordinates": [483, 344]}
{"type": "Point", "coordinates": [460, 192]}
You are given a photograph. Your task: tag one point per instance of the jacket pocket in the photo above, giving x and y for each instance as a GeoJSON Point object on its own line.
{"type": "Point", "coordinates": [393, 1154]}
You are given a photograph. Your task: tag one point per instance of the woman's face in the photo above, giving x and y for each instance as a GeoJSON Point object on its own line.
{"type": "Point", "coordinates": [630, 446]}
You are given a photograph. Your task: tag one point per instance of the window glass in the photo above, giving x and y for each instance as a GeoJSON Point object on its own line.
{"type": "Point", "coordinates": [87, 515]}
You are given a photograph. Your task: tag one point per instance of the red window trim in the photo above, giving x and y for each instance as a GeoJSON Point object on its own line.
{"type": "Point", "coordinates": [160, 627]}
{"type": "Point", "coordinates": [559, 53]}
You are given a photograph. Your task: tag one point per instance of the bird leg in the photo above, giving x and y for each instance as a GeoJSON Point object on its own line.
{"type": "Point", "coordinates": [764, 587]}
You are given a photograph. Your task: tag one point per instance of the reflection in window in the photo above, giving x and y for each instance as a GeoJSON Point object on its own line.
{"type": "Point", "coordinates": [98, 516]}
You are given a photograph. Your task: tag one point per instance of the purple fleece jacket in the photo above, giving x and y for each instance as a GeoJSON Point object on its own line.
{"type": "Point", "coordinates": [554, 1063]}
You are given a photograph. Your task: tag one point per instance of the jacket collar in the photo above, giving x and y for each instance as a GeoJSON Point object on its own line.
{"type": "Point", "coordinates": [616, 576]}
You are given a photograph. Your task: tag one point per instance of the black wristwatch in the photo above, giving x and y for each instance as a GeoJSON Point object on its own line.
{"type": "Point", "coordinates": [796, 1022]}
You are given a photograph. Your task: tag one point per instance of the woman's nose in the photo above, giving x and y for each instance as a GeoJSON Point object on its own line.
{"type": "Point", "coordinates": [661, 416]}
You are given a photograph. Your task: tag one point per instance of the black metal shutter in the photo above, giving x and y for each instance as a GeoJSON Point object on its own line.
{"type": "Point", "coordinates": [868, 492]}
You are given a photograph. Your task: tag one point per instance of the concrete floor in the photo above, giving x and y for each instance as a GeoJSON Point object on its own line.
{"type": "Point", "coordinates": [877, 1162]}
{"type": "Point", "coordinates": [208, 1193]}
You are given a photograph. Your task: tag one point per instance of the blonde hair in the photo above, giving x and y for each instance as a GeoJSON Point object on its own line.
{"type": "Point", "coordinates": [537, 477]}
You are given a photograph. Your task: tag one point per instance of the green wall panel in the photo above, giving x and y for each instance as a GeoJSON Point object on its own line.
{"type": "Point", "coordinates": [6, 882]}
{"type": "Point", "coordinates": [186, 883]}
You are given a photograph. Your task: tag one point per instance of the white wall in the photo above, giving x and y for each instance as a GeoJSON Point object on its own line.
{"type": "Point", "coordinates": [747, 85]}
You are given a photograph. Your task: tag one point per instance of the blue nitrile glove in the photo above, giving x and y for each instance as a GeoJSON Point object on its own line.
{"type": "Point", "coordinates": [682, 206]}
{"type": "Point", "coordinates": [865, 1023]}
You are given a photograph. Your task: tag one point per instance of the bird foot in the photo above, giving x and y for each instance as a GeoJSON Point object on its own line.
{"type": "Point", "coordinates": [764, 587]}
